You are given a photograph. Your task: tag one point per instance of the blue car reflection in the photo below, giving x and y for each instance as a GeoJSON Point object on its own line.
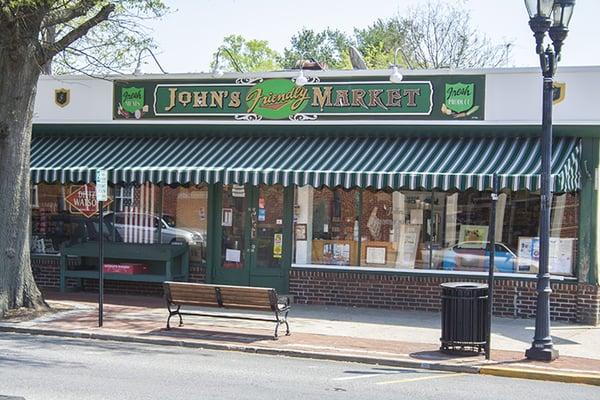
{"type": "Point", "coordinates": [475, 256]}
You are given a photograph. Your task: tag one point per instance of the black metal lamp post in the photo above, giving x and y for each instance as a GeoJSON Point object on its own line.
{"type": "Point", "coordinates": [550, 16]}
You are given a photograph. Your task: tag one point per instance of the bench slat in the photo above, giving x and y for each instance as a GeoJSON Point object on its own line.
{"type": "Point", "coordinates": [242, 297]}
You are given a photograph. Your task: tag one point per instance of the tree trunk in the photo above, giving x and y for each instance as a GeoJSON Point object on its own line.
{"type": "Point", "coordinates": [19, 72]}
{"type": "Point", "coordinates": [48, 36]}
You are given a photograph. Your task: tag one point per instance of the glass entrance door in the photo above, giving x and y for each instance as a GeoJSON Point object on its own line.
{"type": "Point", "coordinates": [233, 268]}
{"type": "Point", "coordinates": [252, 236]}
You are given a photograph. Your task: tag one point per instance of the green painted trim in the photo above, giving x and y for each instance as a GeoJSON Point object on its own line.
{"type": "Point", "coordinates": [586, 261]}
{"type": "Point", "coordinates": [359, 216]}
{"type": "Point", "coordinates": [587, 254]}
{"type": "Point", "coordinates": [437, 274]}
{"type": "Point", "coordinates": [350, 129]}
{"type": "Point", "coordinates": [161, 212]}
{"type": "Point", "coordinates": [211, 232]}
{"type": "Point", "coordinates": [288, 235]}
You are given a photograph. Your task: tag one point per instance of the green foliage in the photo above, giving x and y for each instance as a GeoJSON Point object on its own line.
{"type": "Point", "coordinates": [112, 46]}
{"type": "Point", "coordinates": [246, 55]}
{"type": "Point", "coordinates": [378, 42]}
{"type": "Point", "coordinates": [329, 47]}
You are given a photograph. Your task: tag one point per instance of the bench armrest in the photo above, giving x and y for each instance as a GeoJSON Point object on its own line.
{"type": "Point", "coordinates": [283, 301]}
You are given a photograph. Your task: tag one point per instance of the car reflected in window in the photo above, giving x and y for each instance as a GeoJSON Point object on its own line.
{"type": "Point", "coordinates": [475, 256]}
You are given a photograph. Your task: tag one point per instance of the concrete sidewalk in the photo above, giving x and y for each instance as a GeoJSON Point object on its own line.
{"type": "Point", "coordinates": [388, 337]}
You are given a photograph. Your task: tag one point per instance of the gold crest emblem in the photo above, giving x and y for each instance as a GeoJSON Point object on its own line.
{"type": "Point", "coordinates": [559, 90]}
{"type": "Point", "coordinates": [62, 97]}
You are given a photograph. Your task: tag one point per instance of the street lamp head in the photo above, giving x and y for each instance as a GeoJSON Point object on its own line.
{"type": "Point", "coordinates": [539, 20]}
{"type": "Point", "coordinates": [562, 12]}
{"type": "Point", "coordinates": [539, 8]}
{"type": "Point", "coordinates": [561, 16]}
{"type": "Point", "coordinates": [396, 76]}
{"type": "Point", "coordinates": [301, 79]}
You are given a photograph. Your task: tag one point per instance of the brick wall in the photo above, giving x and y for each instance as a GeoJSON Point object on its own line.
{"type": "Point", "coordinates": [512, 298]}
{"type": "Point", "coordinates": [588, 304]}
{"type": "Point", "coordinates": [570, 302]}
{"type": "Point", "coordinates": [197, 273]}
{"type": "Point", "coordinates": [46, 271]}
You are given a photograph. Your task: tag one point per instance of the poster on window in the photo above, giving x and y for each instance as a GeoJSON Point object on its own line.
{"type": "Point", "coordinates": [473, 233]}
{"type": "Point", "coordinates": [233, 255]}
{"type": "Point", "coordinates": [560, 257]}
{"type": "Point", "coordinates": [336, 253]}
{"type": "Point", "coordinates": [408, 243]}
{"type": "Point", "coordinates": [277, 245]}
{"type": "Point", "coordinates": [262, 215]}
{"type": "Point", "coordinates": [227, 217]}
{"type": "Point", "coordinates": [376, 255]}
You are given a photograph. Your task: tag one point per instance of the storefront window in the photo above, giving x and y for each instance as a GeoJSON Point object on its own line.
{"type": "Point", "coordinates": [431, 230]}
{"type": "Point", "coordinates": [334, 227]}
{"type": "Point", "coordinates": [134, 213]}
{"type": "Point", "coordinates": [185, 215]}
{"type": "Point", "coordinates": [56, 223]}
{"type": "Point", "coordinates": [67, 214]}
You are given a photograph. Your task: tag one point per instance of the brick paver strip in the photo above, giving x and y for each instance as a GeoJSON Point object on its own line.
{"type": "Point", "coordinates": [145, 317]}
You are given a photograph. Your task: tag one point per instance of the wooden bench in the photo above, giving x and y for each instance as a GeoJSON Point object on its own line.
{"type": "Point", "coordinates": [178, 294]}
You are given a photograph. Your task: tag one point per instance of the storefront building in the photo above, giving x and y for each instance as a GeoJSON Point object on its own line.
{"type": "Point", "coordinates": [348, 190]}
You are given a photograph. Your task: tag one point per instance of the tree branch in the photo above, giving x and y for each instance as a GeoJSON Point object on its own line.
{"type": "Point", "coordinates": [50, 50]}
{"type": "Point", "coordinates": [68, 14]}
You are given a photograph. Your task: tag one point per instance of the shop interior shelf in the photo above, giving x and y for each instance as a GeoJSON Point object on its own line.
{"type": "Point", "coordinates": [93, 274]}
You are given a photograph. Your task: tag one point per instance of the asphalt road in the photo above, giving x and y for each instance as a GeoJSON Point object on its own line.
{"type": "Point", "coordinates": [37, 367]}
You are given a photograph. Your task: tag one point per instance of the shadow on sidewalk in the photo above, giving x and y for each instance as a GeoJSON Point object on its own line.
{"type": "Point", "coordinates": [439, 356]}
{"type": "Point", "coordinates": [201, 334]}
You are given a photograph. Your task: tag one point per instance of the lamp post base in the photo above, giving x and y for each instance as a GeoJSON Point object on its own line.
{"type": "Point", "coordinates": [541, 353]}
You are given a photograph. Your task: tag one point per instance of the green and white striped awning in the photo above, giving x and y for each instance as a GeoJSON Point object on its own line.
{"type": "Point", "coordinates": [397, 163]}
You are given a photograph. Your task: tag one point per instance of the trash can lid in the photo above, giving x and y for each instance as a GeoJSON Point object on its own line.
{"type": "Point", "coordinates": [464, 285]}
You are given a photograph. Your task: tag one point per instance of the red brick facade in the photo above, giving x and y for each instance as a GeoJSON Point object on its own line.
{"type": "Point", "coordinates": [571, 302]}
{"type": "Point", "coordinates": [46, 271]}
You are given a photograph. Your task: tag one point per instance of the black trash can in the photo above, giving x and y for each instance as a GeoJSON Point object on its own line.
{"type": "Point", "coordinates": [464, 317]}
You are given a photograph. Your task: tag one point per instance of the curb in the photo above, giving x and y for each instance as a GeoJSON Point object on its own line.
{"type": "Point", "coordinates": [564, 377]}
{"type": "Point", "coordinates": [507, 372]}
{"type": "Point", "coordinates": [390, 362]}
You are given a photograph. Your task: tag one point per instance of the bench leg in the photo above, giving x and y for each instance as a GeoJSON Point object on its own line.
{"type": "Point", "coordinates": [171, 313]}
{"type": "Point", "coordinates": [287, 326]}
{"type": "Point", "coordinates": [280, 321]}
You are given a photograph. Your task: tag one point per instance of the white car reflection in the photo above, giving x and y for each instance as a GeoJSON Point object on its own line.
{"type": "Point", "coordinates": [140, 227]}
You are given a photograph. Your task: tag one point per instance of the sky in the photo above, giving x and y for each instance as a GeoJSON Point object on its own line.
{"type": "Point", "coordinates": [192, 32]}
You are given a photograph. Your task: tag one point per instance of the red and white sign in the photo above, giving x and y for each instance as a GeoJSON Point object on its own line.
{"type": "Point", "coordinates": [126, 268]}
{"type": "Point", "coordinates": [82, 200]}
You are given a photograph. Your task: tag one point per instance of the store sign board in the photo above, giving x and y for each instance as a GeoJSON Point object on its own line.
{"type": "Point", "coordinates": [416, 98]}
{"type": "Point", "coordinates": [82, 200]}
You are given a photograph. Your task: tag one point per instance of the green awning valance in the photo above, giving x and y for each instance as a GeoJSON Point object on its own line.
{"type": "Point", "coordinates": [398, 163]}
